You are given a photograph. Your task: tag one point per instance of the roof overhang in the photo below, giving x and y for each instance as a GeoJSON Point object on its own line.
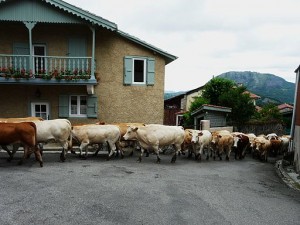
{"type": "Point", "coordinates": [214, 108]}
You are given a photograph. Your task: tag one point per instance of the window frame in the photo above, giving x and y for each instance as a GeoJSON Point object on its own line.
{"type": "Point", "coordinates": [78, 106]}
{"type": "Point", "coordinates": [144, 70]}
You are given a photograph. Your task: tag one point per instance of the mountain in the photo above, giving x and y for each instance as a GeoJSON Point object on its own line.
{"type": "Point", "coordinates": [171, 94]}
{"type": "Point", "coordinates": [269, 87]}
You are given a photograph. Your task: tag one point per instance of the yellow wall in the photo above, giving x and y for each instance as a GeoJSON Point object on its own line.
{"type": "Point", "coordinates": [116, 102]}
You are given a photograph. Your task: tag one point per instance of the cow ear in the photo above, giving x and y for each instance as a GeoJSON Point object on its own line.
{"type": "Point", "coordinates": [200, 133]}
{"type": "Point", "coordinates": [135, 128]}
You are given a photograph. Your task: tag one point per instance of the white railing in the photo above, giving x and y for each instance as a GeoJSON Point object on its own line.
{"type": "Point", "coordinates": [48, 65]}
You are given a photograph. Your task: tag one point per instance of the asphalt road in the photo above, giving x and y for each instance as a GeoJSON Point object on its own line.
{"type": "Point", "coordinates": [95, 191]}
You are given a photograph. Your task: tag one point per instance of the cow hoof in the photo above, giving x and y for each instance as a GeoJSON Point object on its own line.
{"type": "Point", "coordinates": [9, 159]}
{"type": "Point", "coordinates": [20, 162]}
{"type": "Point", "coordinates": [122, 156]}
{"type": "Point", "coordinates": [214, 157]}
{"type": "Point", "coordinates": [73, 152]}
{"type": "Point", "coordinates": [62, 157]}
{"type": "Point", "coordinates": [173, 159]}
{"type": "Point", "coordinates": [158, 161]}
{"type": "Point", "coordinates": [207, 157]}
{"type": "Point", "coordinates": [139, 159]}
{"type": "Point", "coordinates": [227, 158]}
{"type": "Point", "coordinates": [41, 164]}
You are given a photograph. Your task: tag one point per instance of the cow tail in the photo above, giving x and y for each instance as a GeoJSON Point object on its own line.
{"type": "Point", "coordinates": [35, 133]}
{"type": "Point", "coordinates": [70, 140]}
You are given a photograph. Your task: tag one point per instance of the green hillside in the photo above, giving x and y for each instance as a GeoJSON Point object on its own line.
{"type": "Point", "coordinates": [270, 87]}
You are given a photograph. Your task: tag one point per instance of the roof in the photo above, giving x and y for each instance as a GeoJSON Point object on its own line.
{"type": "Point", "coordinates": [253, 96]}
{"type": "Point", "coordinates": [169, 57]}
{"type": "Point", "coordinates": [209, 107]}
{"type": "Point", "coordinates": [284, 106]}
{"type": "Point", "coordinates": [101, 22]}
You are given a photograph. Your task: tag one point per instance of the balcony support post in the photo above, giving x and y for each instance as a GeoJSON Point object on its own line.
{"type": "Point", "coordinates": [30, 26]}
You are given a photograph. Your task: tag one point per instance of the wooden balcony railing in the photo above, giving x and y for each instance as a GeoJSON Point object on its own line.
{"type": "Point", "coordinates": [46, 67]}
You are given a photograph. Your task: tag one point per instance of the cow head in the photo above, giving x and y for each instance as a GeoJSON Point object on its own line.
{"type": "Point", "coordinates": [131, 133]}
{"type": "Point", "coordinates": [236, 139]}
{"type": "Point", "coordinates": [195, 136]}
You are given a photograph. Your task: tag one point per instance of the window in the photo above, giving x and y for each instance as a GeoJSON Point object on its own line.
{"type": "Point", "coordinates": [139, 70]}
{"type": "Point", "coordinates": [40, 109]}
{"type": "Point", "coordinates": [78, 105]}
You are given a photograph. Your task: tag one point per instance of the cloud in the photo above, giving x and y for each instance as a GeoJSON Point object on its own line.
{"type": "Point", "coordinates": [211, 37]}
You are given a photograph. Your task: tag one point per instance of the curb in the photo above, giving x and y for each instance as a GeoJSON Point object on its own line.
{"type": "Point", "coordinates": [286, 177]}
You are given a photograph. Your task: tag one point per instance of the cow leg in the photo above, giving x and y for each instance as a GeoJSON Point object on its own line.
{"type": "Point", "coordinates": [228, 153]}
{"type": "Point", "coordinates": [177, 149]}
{"type": "Point", "coordinates": [140, 157]}
{"type": "Point", "coordinates": [25, 156]}
{"type": "Point", "coordinates": [113, 148]}
{"type": "Point", "coordinates": [157, 155]}
{"type": "Point", "coordinates": [38, 156]}
{"type": "Point", "coordinates": [64, 151]}
{"type": "Point", "coordinates": [4, 147]}
{"type": "Point", "coordinates": [100, 147]}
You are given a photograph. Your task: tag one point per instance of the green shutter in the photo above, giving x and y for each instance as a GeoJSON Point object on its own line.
{"type": "Point", "coordinates": [127, 70]}
{"type": "Point", "coordinates": [63, 105]}
{"type": "Point", "coordinates": [92, 106]}
{"type": "Point", "coordinates": [150, 71]}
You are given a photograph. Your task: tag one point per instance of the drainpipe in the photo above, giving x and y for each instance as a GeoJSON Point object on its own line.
{"type": "Point", "coordinates": [30, 26]}
{"type": "Point", "coordinates": [93, 52]}
{"type": "Point", "coordinates": [294, 109]}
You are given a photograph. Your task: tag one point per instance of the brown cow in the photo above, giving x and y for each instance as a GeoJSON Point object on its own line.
{"type": "Point", "coordinates": [241, 143]}
{"type": "Point", "coordinates": [262, 147]}
{"type": "Point", "coordinates": [16, 120]}
{"type": "Point", "coordinates": [275, 147]}
{"type": "Point", "coordinates": [222, 141]}
{"type": "Point", "coordinates": [24, 133]}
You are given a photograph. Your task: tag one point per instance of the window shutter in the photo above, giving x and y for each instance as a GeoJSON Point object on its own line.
{"type": "Point", "coordinates": [63, 106]}
{"type": "Point", "coordinates": [127, 70]}
{"type": "Point", "coordinates": [150, 71]}
{"type": "Point", "coordinates": [92, 107]}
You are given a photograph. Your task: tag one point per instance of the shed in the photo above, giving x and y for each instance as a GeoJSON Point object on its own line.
{"type": "Point", "coordinates": [215, 114]}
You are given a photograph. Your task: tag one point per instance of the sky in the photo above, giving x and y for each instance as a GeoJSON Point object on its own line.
{"type": "Point", "coordinates": [211, 37]}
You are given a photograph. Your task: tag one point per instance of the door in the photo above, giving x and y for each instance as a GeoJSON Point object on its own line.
{"type": "Point", "coordinates": [77, 48]}
{"type": "Point", "coordinates": [21, 56]}
{"type": "Point", "coordinates": [39, 63]}
{"type": "Point", "coordinates": [40, 109]}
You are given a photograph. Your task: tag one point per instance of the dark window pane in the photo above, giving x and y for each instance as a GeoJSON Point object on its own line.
{"type": "Point", "coordinates": [138, 70]}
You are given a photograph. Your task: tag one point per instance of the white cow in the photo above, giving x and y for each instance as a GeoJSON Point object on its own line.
{"type": "Point", "coordinates": [58, 130]}
{"type": "Point", "coordinates": [96, 134]}
{"type": "Point", "coordinates": [153, 136]}
{"type": "Point", "coordinates": [201, 140]}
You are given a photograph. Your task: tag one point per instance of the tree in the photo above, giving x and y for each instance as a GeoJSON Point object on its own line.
{"type": "Point", "coordinates": [269, 112]}
{"type": "Point", "coordinates": [215, 88]}
{"type": "Point", "coordinates": [241, 104]}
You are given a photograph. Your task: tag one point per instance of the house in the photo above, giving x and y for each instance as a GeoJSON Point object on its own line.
{"type": "Point", "coordinates": [60, 61]}
{"type": "Point", "coordinates": [176, 106]}
{"type": "Point", "coordinates": [295, 127]}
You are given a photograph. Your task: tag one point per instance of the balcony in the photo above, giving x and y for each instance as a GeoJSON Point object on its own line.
{"type": "Point", "coordinates": [47, 70]}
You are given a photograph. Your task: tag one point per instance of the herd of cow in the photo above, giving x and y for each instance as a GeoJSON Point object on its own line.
{"type": "Point", "coordinates": [33, 132]}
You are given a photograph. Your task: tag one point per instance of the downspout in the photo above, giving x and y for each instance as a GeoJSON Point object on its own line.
{"type": "Point", "coordinates": [30, 26]}
{"type": "Point", "coordinates": [90, 88]}
{"type": "Point", "coordinates": [294, 110]}
{"type": "Point", "coordinates": [93, 52]}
